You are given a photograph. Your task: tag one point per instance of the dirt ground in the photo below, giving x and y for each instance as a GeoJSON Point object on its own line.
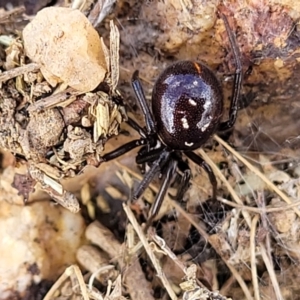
{"type": "Point", "coordinates": [68, 229]}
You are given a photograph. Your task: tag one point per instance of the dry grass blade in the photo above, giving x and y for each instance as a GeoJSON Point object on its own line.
{"type": "Point", "coordinates": [149, 251]}
{"type": "Point", "coordinates": [166, 250]}
{"type": "Point", "coordinates": [259, 210]}
{"type": "Point", "coordinates": [271, 272]}
{"type": "Point", "coordinates": [253, 257]}
{"type": "Point", "coordinates": [258, 173]}
{"type": "Point", "coordinates": [70, 271]}
{"type": "Point", "coordinates": [114, 55]}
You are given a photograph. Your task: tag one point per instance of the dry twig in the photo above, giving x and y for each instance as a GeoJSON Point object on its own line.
{"type": "Point", "coordinates": [253, 257]}
{"type": "Point", "coordinates": [149, 251]}
{"type": "Point", "coordinates": [32, 67]}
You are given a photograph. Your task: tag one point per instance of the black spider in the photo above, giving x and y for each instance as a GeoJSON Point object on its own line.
{"type": "Point", "coordinates": [187, 106]}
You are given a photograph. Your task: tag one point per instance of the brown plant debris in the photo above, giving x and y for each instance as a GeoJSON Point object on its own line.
{"type": "Point", "coordinates": [59, 105]}
{"type": "Point", "coordinates": [59, 130]}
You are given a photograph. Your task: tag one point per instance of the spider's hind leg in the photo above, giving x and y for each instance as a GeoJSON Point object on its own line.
{"type": "Point", "coordinates": [184, 180]}
{"type": "Point", "coordinates": [168, 174]}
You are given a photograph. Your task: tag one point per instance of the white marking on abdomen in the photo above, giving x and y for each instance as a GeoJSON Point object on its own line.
{"type": "Point", "coordinates": [185, 123]}
{"type": "Point", "coordinates": [192, 102]}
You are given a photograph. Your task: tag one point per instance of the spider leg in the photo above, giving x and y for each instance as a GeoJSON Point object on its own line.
{"type": "Point", "coordinates": [141, 153]}
{"type": "Point", "coordinates": [144, 140]}
{"type": "Point", "coordinates": [154, 169]}
{"type": "Point", "coordinates": [136, 127]}
{"type": "Point", "coordinates": [236, 89]}
{"type": "Point", "coordinates": [202, 163]}
{"type": "Point", "coordinates": [184, 179]}
{"type": "Point", "coordinates": [138, 89]}
{"type": "Point", "coordinates": [168, 175]}
{"type": "Point", "coordinates": [124, 149]}
{"type": "Point", "coordinates": [148, 156]}
{"type": "Point", "coordinates": [148, 137]}
{"type": "Point", "coordinates": [148, 153]}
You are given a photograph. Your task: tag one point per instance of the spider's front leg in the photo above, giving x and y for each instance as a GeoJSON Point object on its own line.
{"type": "Point", "coordinates": [236, 89]}
{"type": "Point", "coordinates": [124, 149]}
{"type": "Point", "coordinates": [139, 92]}
{"type": "Point", "coordinates": [144, 140]}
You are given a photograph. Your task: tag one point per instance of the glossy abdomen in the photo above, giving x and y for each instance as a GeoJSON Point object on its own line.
{"type": "Point", "coordinates": [187, 104]}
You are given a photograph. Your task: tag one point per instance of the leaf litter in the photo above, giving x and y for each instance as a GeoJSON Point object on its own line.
{"type": "Point", "coordinates": [254, 214]}
{"type": "Point", "coordinates": [54, 131]}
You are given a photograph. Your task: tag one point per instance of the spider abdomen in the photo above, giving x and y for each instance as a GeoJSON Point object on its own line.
{"type": "Point", "coordinates": [187, 104]}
